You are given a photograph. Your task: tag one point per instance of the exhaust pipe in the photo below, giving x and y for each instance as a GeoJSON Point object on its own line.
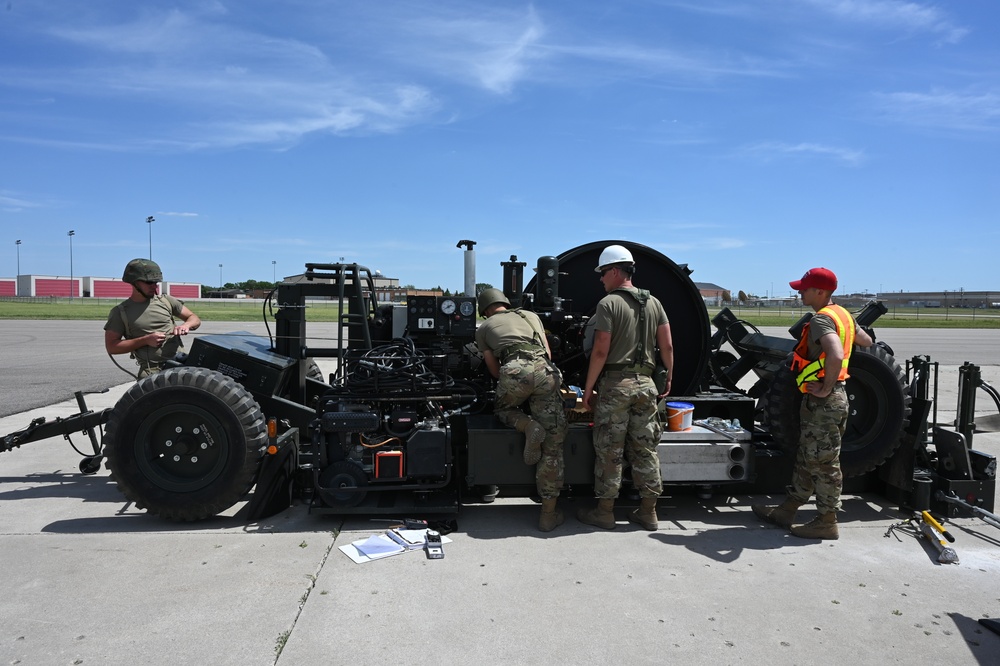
{"type": "Point", "coordinates": [470, 266]}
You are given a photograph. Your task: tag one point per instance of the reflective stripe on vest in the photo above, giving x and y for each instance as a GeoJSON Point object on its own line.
{"type": "Point", "coordinates": [813, 371]}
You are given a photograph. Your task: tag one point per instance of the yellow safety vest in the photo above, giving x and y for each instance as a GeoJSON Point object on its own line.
{"type": "Point", "coordinates": [813, 371]}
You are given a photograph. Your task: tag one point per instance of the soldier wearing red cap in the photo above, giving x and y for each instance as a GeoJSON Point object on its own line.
{"type": "Point", "coordinates": [819, 363]}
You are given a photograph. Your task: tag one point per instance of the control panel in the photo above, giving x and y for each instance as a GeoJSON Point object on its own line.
{"type": "Point", "coordinates": [441, 315]}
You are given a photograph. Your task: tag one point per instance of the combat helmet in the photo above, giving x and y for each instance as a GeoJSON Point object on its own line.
{"type": "Point", "coordinates": [146, 270]}
{"type": "Point", "coordinates": [490, 296]}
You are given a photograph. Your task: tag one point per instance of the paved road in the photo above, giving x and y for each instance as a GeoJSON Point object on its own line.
{"type": "Point", "coordinates": [46, 361]}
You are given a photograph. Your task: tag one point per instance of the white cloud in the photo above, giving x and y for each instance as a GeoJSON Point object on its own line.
{"type": "Point", "coordinates": [486, 48]}
{"type": "Point", "coordinates": [894, 14]}
{"type": "Point", "coordinates": [200, 83]}
{"type": "Point", "coordinates": [943, 109]}
{"type": "Point", "coordinates": [15, 203]}
{"type": "Point", "coordinates": [775, 149]}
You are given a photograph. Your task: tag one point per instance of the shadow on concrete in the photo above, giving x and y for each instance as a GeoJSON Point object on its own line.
{"type": "Point", "coordinates": [728, 544]}
{"type": "Point", "coordinates": [130, 520]}
{"type": "Point", "coordinates": [984, 645]}
{"type": "Point", "coordinates": [979, 530]}
{"type": "Point", "coordinates": [136, 523]}
{"type": "Point", "coordinates": [51, 485]}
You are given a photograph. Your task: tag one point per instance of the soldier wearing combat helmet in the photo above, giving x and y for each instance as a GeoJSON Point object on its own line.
{"type": "Point", "coordinates": [147, 325]}
{"type": "Point", "coordinates": [517, 354]}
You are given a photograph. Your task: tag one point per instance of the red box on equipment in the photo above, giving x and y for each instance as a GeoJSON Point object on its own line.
{"type": "Point", "coordinates": [388, 464]}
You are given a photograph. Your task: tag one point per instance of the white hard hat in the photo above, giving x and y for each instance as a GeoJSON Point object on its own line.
{"type": "Point", "coordinates": [614, 254]}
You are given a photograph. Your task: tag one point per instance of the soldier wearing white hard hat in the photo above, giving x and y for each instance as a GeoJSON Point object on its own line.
{"type": "Point", "coordinates": [631, 332]}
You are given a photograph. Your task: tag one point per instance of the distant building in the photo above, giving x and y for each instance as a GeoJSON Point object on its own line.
{"type": "Point", "coordinates": [957, 298]}
{"type": "Point", "coordinates": [712, 293]}
{"type": "Point", "coordinates": [387, 290]}
{"type": "Point", "coordinates": [226, 293]}
{"type": "Point", "coordinates": [42, 286]}
{"type": "Point", "coordinates": [49, 285]}
{"type": "Point", "coordinates": [98, 287]}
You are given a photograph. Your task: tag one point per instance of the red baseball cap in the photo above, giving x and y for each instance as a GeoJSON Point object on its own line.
{"type": "Point", "coordinates": [821, 278]}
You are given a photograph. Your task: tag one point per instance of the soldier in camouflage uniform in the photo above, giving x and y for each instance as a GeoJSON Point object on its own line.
{"type": "Point", "coordinates": [147, 325]}
{"type": "Point", "coordinates": [517, 354]}
{"type": "Point", "coordinates": [820, 363]}
{"type": "Point", "coordinates": [630, 325]}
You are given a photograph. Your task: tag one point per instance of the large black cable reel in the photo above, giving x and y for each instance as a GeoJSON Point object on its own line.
{"type": "Point", "coordinates": [879, 410]}
{"type": "Point", "coordinates": [581, 289]}
{"type": "Point", "coordinates": [185, 443]}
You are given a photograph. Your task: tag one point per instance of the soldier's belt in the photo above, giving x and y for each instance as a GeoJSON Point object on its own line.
{"type": "Point", "coordinates": [528, 352]}
{"type": "Point", "coordinates": [625, 368]}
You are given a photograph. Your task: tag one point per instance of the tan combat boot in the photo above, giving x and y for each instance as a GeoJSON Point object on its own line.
{"type": "Point", "coordinates": [534, 435]}
{"type": "Point", "coordinates": [602, 515]}
{"type": "Point", "coordinates": [782, 515]}
{"type": "Point", "coordinates": [645, 515]}
{"type": "Point", "coordinates": [551, 516]}
{"type": "Point", "coordinates": [823, 526]}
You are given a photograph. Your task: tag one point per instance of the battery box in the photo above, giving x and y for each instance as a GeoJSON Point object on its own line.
{"type": "Point", "coordinates": [388, 464]}
{"type": "Point", "coordinates": [245, 357]}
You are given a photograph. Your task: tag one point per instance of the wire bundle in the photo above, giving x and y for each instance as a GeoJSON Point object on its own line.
{"type": "Point", "coordinates": [396, 366]}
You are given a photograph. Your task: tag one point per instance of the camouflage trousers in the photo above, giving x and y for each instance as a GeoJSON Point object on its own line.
{"type": "Point", "coordinates": [536, 381]}
{"type": "Point", "coordinates": [817, 463]}
{"type": "Point", "coordinates": [626, 423]}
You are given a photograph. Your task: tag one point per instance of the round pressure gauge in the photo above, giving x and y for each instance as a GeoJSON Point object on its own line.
{"type": "Point", "coordinates": [467, 309]}
{"type": "Point", "coordinates": [448, 306]}
{"type": "Point", "coordinates": [550, 272]}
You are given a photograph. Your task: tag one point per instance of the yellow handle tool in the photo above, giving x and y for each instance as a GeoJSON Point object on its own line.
{"type": "Point", "coordinates": [930, 520]}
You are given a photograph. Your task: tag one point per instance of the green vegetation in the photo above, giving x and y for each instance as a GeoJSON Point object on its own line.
{"type": "Point", "coordinates": [212, 309]}
{"type": "Point", "coordinates": [252, 310]}
{"type": "Point", "coordinates": [896, 317]}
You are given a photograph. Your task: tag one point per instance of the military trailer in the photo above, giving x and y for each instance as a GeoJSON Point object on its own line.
{"type": "Point", "coordinates": [404, 424]}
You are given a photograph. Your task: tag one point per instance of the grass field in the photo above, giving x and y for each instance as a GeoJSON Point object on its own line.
{"type": "Point", "coordinates": [98, 308]}
{"type": "Point", "coordinates": [251, 310]}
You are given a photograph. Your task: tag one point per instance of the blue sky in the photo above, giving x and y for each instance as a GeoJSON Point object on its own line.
{"type": "Point", "coordinates": [748, 139]}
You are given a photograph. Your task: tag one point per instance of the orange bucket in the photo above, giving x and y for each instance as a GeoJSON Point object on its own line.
{"type": "Point", "coordinates": [679, 416]}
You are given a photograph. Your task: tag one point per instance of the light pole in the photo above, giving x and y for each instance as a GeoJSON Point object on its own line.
{"type": "Point", "coordinates": [220, 280]}
{"type": "Point", "coordinates": [17, 244]}
{"type": "Point", "coordinates": [71, 234]}
{"type": "Point", "coordinates": [274, 272]}
{"type": "Point", "coordinates": [149, 223]}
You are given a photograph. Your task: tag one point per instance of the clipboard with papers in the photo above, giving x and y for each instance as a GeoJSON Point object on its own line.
{"type": "Point", "coordinates": [389, 543]}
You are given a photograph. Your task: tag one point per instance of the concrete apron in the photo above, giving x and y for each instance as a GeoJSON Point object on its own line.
{"type": "Point", "coordinates": [90, 579]}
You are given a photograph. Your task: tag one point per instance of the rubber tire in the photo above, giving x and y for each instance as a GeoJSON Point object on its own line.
{"type": "Point", "coordinates": [313, 371]}
{"type": "Point", "coordinates": [879, 410]}
{"type": "Point", "coordinates": [90, 465]}
{"type": "Point", "coordinates": [222, 424]}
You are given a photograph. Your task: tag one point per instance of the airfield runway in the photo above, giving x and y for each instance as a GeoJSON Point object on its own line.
{"type": "Point", "coordinates": [89, 579]}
